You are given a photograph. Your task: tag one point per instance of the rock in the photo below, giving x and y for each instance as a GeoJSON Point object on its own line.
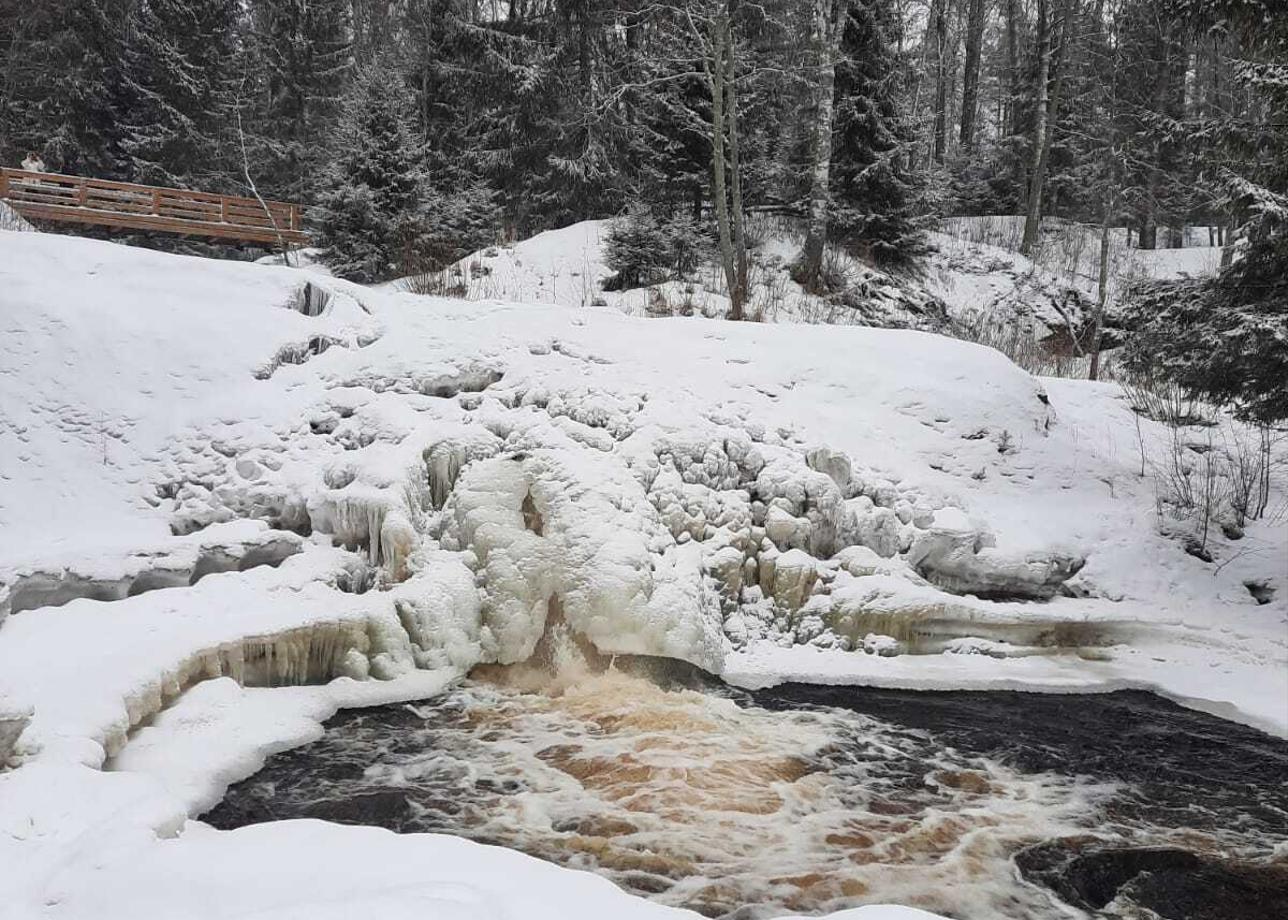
{"type": "Point", "coordinates": [859, 561]}
{"type": "Point", "coordinates": [795, 572]}
{"type": "Point", "coordinates": [835, 465]}
{"type": "Point", "coordinates": [884, 646]}
{"type": "Point", "coordinates": [955, 559]}
{"type": "Point", "coordinates": [877, 528]}
{"type": "Point", "coordinates": [726, 566]}
{"type": "Point", "coordinates": [11, 726]}
{"type": "Point", "coordinates": [786, 532]}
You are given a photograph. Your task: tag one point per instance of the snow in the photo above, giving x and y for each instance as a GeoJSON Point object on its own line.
{"type": "Point", "coordinates": [566, 267]}
{"type": "Point", "coordinates": [12, 220]}
{"type": "Point", "coordinates": [974, 270]}
{"type": "Point", "coordinates": [231, 546]}
{"type": "Point", "coordinates": [978, 272]}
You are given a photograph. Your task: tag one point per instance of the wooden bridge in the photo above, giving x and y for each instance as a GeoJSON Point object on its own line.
{"type": "Point", "coordinates": [73, 199]}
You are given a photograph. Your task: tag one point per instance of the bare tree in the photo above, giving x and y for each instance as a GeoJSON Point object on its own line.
{"type": "Point", "coordinates": [970, 76]}
{"type": "Point", "coordinates": [719, 67]}
{"type": "Point", "coordinates": [1047, 109]}
{"type": "Point", "coordinates": [827, 21]}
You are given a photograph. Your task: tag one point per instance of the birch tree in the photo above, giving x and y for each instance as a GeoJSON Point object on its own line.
{"type": "Point", "coordinates": [827, 20]}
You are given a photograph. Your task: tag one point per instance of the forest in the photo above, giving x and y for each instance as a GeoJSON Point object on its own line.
{"type": "Point", "coordinates": [419, 131]}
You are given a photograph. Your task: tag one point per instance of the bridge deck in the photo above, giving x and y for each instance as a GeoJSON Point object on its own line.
{"type": "Point", "coordinates": [74, 199]}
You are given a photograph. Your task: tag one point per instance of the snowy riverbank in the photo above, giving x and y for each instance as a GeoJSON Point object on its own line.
{"type": "Point", "coordinates": [200, 480]}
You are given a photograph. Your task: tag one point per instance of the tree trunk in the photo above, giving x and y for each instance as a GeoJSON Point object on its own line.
{"type": "Point", "coordinates": [1033, 211]}
{"type": "Point", "coordinates": [1148, 230]}
{"type": "Point", "coordinates": [738, 293]}
{"type": "Point", "coordinates": [824, 29]}
{"type": "Point", "coordinates": [719, 194]}
{"type": "Point", "coordinates": [1048, 111]}
{"type": "Point", "coordinates": [970, 78]}
{"type": "Point", "coordinates": [1012, 63]}
{"type": "Point", "coordinates": [939, 22]}
{"type": "Point", "coordinates": [1102, 298]}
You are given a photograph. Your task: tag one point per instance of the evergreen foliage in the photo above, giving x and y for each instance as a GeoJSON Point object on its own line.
{"type": "Point", "coordinates": [296, 64]}
{"type": "Point", "coordinates": [875, 194]}
{"type": "Point", "coordinates": [177, 88]}
{"type": "Point", "coordinates": [376, 182]}
{"type": "Point", "coordinates": [644, 249]}
{"type": "Point", "coordinates": [1225, 340]}
{"type": "Point", "coordinates": [382, 212]}
{"type": "Point", "coordinates": [62, 91]}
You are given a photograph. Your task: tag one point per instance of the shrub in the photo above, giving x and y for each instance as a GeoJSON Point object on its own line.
{"type": "Point", "coordinates": [643, 249]}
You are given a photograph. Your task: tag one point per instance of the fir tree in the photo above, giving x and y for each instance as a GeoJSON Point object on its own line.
{"type": "Point", "coordinates": [179, 71]}
{"type": "Point", "coordinates": [63, 84]}
{"type": "Point", "coordinates": [874, 192]}
{"type": "Point", "coordinates": [298, 61]}
{"type": "Point", "coordinates": [381, 214]}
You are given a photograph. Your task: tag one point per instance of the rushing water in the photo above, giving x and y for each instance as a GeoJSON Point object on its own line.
{"type": "Point", "coordinates": [805, 799]}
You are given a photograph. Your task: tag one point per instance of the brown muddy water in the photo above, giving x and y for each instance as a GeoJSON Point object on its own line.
{"type": "Point", "coordinates": [808, 799]}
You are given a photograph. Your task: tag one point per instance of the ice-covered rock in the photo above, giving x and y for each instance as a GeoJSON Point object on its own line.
{"type": "Point", "coordinates": [834, 464]}
{"type": "Point", "coordinates": [11, 725]}
{"type": "Point", "coordinates": [795, 573]}
{"type": "Point", "coordinates": [869, 525]}
{"type": "Point", "coordinates": [957, 558]}
{"type": "Point", "coordinates": [727, 566]}
{"type": "Point", "coordinates": [445, 458]}
{"type": "Point", "coordinates": [620, 578]}
{"type": "Point", "coordinates": [440, 609]}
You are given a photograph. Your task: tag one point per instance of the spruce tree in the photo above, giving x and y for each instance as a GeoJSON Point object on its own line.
{"type": "Point", "coordinates": [62, 93]}
{"type": "Point", "coordinates": [382, 214]}
{"type": "Point", "coordinates": [874, 191]}
{"type": "Point", "coordinates": [297, 64]}
{"type": "Point", "coordinates": [179, 71]}
{"type": "Point", "coordinates": [1226, 339]}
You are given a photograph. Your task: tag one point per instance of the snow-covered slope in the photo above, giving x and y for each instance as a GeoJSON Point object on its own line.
{"type": "Point", "coordinates": [209, 470]}
{"type": "Point", "coordinates": [566, 267]}
{"type": "Point", "coordinates": [978, 272]}
{"type": "Point", "coordinates": [973, 274]}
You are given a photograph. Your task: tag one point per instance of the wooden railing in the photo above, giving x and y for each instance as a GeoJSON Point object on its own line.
{"type": "Point", "coordinates": [49, 196]}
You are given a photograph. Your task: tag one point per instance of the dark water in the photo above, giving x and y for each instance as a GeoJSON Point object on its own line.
{"type": "Point", "coordinates": [1177, 771]}
{"type": "Point", "coordinates": [809, 799]}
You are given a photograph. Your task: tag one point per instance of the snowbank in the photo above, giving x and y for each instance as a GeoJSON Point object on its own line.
{"type": "Point", "coordinates": [214, 481]}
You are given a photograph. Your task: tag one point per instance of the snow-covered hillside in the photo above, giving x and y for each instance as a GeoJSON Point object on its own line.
{"type": "Point", "coordinates": [974, 273]}
{"type": "Point", "coordinates": [567, 267]}
{"type": "Point", "coordinates": [977, 270]}
{"type": "Point", "coordinates": [213, 470]}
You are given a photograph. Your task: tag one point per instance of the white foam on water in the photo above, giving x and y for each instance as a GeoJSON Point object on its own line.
{"type": "Point", "coordinates": [693, 799]}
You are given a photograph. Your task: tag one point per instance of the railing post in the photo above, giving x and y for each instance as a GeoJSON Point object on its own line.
{"type": "Point", "coordinates": [83, 193]}
{"type": "Point", "coordinates": [156, 201]}
{"type": "Point", "coordinates": [4, 183]}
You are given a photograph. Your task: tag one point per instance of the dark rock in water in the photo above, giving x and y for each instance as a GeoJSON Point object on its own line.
{"type": "Point", "coordinates": [1175, 884]}
{"type": "Point", "coordinates": [382, 808]}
